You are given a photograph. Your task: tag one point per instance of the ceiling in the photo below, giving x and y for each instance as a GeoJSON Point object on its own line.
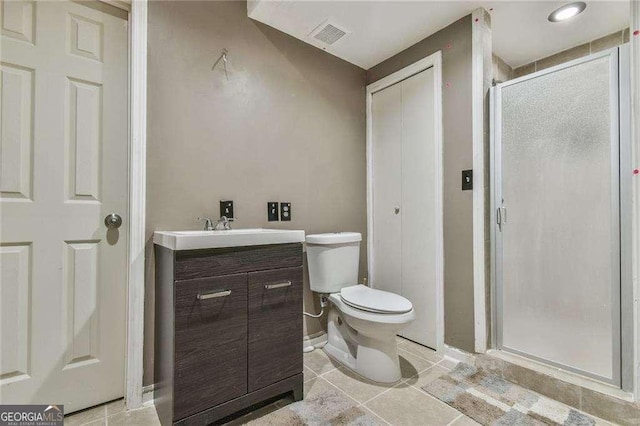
{"type": "Point", "coordinates": [379, 29]}
{"type": "Point", "coordinates": [522, 33]}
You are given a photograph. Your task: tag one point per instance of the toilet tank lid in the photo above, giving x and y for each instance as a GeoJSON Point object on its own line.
{"type": "Point", "coordinates": [334, 238]}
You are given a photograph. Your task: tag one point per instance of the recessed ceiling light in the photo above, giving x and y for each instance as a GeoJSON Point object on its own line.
{"type": "Point", "coordinates": [567, 11]}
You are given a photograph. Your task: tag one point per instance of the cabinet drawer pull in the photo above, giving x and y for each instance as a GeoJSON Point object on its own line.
{"type": "Point", "coordinates": [213, 294]}
{"type": "Point", "coordinates": [278, 285]}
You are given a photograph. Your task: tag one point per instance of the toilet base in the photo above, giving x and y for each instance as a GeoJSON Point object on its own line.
{"type": "Point", "coordinates": [374, 358]}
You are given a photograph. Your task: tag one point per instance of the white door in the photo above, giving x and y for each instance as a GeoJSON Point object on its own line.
{"type": "Point", "coordinates": [405, 220]}
{"type": "Point", "coordinates": [64, 168]}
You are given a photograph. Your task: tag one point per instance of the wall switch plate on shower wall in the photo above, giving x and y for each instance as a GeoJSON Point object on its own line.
{"type": "Point", "coordinates": [226, 209]}
{"type": "Point", "coordinates": [467, 180]}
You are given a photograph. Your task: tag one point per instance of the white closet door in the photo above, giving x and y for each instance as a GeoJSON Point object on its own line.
{"type": "Point", "coordinates": [404, 199]}
{"type": "Point", "coordinates": [418, 206]}
{"type": "Point", "coordinates": [387, 184]}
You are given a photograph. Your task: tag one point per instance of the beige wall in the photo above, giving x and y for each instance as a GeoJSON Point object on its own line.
{"type": "Point", "coordinates": [501, 70]}
{"type": "Point", "coordinates": [455, 43]}
{"type": "Point", "coordinates": [597, 45]}
{"type": "Point", "coordinates": [287, 125]}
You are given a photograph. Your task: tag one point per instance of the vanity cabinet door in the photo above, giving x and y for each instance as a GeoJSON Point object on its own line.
{"type": "Point", "coordinates": [275, 326]}
{"type": "Point", "coordinates": [210, 342]}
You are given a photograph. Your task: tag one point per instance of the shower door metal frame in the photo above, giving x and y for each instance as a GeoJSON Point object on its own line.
{"type": "Point", "coordinates": [621, 250]}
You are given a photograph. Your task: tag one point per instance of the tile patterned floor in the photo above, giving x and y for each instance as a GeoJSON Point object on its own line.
{"type": "Point", "coordinates": [333, 395]}
{"type": "Point", "coordinates": [357, 401]}
{"type": "Point", "coordinates": [113, 413]}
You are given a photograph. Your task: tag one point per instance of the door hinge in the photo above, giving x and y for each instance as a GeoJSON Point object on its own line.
{"type": "Point", "coordinates": [501, 217]}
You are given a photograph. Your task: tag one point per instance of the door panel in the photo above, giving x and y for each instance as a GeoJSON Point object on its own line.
{"type": "Point", "coordinates": [405, 234]}
{"type": "Point", "coordinates": [419, 236]}
{"type": "Point", "coordinates": [203, 327]}
{"type": "Point", "coordinates": [387, 189]}
{"type": "Point", "coordinates": [559, 291]}
{"type": "Point", "coordinates": [64, 168]}
{"type": "Point", "coordinates": [275, 326]}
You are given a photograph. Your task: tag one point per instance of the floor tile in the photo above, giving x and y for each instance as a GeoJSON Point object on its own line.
{"type": "Point", "coordinates": [282, 416]}
{"type": "Point", "coordinates": [410, 364]}
{"type": "Point", "coordinates": [408, 406]}
{"type": "Point", "coordinates": [85, 416]}
{"type": "Point", "coordinates": [318, 387]}
{"type": "Point", "coordinates": [146, 416]}
{"type": "Point", "coordinates": [357, 416]}
{"type": "Point", "coordinates": [448, 363]}
{"type": "Point", "coordinates": [374, 415]}
{"type": "Point", "coordinates": [115, 407]}
{"type": "Point", "coordinates": [255, 417]}
{"type": "Point", "coordinates": [319, 362]}
{"type": "Point", "coordinates": [416, 349]}
{"type": "Point", "coordinates": [353, 385]}
{"type": "Point", "coordinates": [101, 422]}
{"type": "Point", "coordinates": [307, 373]}
{"type": "Point", "coordinates": [325, 403]}
{"type": "Point", "coordinates": [464, 421]}
{"type": "Point", "coordinates": [426, 376]}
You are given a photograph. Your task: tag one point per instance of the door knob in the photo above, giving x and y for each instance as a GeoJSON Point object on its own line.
{"type": "Point", "coordinates": [113, 221]}
{"type": "Point", "coordinates": [396, 210]}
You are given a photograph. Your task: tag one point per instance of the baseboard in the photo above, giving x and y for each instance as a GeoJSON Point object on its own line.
{"type": "Point", "coordinates": [147, 394]}
{"type": "Point", "coordinates": [458, 355]}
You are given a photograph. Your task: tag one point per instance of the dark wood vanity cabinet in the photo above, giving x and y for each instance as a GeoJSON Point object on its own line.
{"type": "Point", "coordinates": [275, 300]}
{"type": "Point", "coordinates": [228, 330]}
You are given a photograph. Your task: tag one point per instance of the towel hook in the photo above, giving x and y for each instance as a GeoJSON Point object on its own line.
{"type": "Point", "coordinates": [223, 57]}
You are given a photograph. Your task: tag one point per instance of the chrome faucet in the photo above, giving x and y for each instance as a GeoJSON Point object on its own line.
{"type": "Point", "coordinates": [224, 221]}
{"type": "Point", "coordinates": [208, 226]}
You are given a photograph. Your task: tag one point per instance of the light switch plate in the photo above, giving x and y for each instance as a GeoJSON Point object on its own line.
{"type": "Point", "coordinates": [226, 209]}
{"type": "Point", "coordinates": [272, 211]}
{"type": "Point", "coordinates": [467, 180]}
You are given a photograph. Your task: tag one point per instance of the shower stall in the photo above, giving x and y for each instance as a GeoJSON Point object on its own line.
{"type": "Point", "coordinates": [561, 209]}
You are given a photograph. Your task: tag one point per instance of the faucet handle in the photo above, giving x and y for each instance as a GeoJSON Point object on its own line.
{"type": "Point", "coordinates": [208, 225]}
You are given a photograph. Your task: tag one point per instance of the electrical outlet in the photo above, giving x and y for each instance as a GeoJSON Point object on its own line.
{"type": "Point", "coordinates": [226, 209]}
{"type": "Point", "coordinates": [272, 211]}
{"type": "Point", "coordinates": [285, 212]}
{"type": "Point", "coordinates": [467, 180]}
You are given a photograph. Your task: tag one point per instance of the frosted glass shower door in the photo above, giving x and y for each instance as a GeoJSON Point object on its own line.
{"type": "Point", "coordinates": [558, 244]}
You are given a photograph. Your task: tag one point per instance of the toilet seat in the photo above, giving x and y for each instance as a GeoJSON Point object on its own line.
{"type": "Point", "coordinates": [371, 317]}
{"type": "Point", "coordinates": [376, 301]}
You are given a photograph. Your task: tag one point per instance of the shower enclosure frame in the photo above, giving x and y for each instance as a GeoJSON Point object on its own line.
{"type": "Point", "coordinates": [623, 376]}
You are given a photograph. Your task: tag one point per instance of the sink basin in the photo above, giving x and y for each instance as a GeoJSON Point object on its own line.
{"type": "Point", "coordinates": [192, 240]}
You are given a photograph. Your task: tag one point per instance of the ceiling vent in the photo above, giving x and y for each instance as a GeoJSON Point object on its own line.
{"type": "Point", "coordinates": [328, 32]}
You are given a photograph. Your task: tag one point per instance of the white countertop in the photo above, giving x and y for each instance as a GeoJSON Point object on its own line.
{"type": "Point", "coordinates": [193, 240]}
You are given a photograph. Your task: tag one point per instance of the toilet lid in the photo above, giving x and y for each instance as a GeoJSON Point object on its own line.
{"type": "Point", "coordinates": [372, 300]}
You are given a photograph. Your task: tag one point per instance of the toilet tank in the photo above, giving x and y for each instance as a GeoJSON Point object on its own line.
{"type": "Point", "coordinates": [333, 261]}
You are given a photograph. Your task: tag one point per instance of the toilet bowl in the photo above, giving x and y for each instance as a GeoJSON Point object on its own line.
{"type": "Point", "coordinates": [365, 339]}
{"type": "Point", "coordinates": [362, 322]}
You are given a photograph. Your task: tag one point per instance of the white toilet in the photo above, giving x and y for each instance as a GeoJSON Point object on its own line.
{"type": "Point", "coordinates": [363, 322]}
